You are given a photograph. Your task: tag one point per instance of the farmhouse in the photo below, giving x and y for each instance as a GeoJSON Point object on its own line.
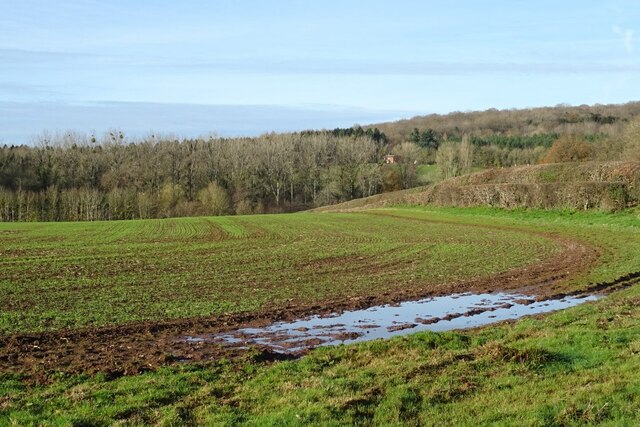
{"type": "Point", "coordinates": [390, 159]}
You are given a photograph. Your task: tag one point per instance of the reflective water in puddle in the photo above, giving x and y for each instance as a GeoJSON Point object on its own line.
{"type": "Point", "coordinates": [444, 313]}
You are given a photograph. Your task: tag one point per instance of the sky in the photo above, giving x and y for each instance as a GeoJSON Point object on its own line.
{"type": "Point", "coordinates": [244, 67]}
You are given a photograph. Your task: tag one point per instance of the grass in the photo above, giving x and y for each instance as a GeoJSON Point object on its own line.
{"type": "Point", "coordinates": [616, 234]}
{"type": "Point", "coordinates": [68, 275]}
{"type": "Point", "coordinates": [574, 367]}
{"type": "Point", "coordinates": [428, 174]}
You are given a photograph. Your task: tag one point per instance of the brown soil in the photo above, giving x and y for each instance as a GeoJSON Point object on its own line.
{"type": "Point", "coordinates": [133, 348]}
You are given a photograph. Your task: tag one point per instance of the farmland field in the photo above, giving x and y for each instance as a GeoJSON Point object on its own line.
{"type": "Point", "coordinates": [77, 294]}
{"type": "Point", "coordinates": [66, 275]}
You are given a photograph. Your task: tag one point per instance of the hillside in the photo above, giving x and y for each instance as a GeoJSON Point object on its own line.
{"type": "Point", "coordinates": [602, 185]}
{"type": "Point", "coordinates": [584, 120]}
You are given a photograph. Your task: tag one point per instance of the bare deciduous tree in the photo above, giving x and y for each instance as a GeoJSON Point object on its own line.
{"type": "Point", "coordinates": [455, 159]}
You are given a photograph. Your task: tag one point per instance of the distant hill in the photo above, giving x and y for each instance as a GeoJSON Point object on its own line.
{"type": "Point", "coordinates": [561, 119]}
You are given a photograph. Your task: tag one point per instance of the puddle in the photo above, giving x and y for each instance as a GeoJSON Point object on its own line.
{"type": "Point", "coordinates": [458, 311]}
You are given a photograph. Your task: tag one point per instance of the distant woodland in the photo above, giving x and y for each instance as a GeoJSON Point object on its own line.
{"type": "Point", "coordinates": [73, 176]}
{"type": "Point", "coordinates": [79, 177]}
{"type": "Point", "coordinates": [559, 120]}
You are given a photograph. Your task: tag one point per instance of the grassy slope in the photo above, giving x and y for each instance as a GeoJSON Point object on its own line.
{"type": "Point", "coordinates": [570, 368]}
{"type": "Point", "coordinates": [58, 275]}
{"type": "Point", "coordinates": [428, 174]}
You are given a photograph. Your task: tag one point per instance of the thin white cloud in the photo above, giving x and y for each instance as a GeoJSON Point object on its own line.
{"type": "Point", "coordinates": [13, 54]}
{"type": "Point", "coordinates": [417, 68]}
{"type": "Point", "coordinates": [26, 59]}
{"type": "Point", "coordinates": [18, 91]}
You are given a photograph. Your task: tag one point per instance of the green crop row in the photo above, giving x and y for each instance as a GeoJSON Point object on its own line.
{"type": "Point", "coordinates": [67, 275]}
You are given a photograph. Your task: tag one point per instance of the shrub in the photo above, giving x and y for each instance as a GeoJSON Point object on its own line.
{"type": "Point", "coordinates": [215, 199]}
{"type": "Point", "coordinates": [569, 148]}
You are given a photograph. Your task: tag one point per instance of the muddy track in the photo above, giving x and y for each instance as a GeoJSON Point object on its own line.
{"type": "Point", "coordinates": [137, 347]}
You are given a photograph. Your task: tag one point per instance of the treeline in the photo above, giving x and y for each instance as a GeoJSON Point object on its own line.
{"type": "Point", "coordinates": [71, 176]}
{"type": "Point", "coordinates": [356, 131]}
{"type": "Point", "coordinates": [77, 177]}
{"type": "Point", "coordinates": [512, 142]}
{"type": "Point", "coordinates": [559, 120]}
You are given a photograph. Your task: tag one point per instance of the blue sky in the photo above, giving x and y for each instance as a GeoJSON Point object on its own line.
{"type": "Point", "coordinates": [256, 66]}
